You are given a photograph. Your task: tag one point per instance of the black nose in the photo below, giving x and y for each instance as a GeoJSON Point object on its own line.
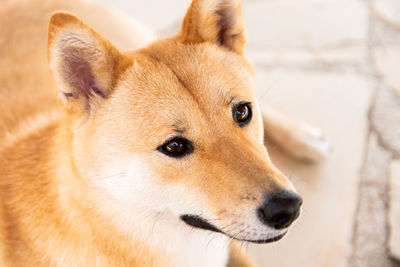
{"type": "Point", "coordinates": [280, 210]}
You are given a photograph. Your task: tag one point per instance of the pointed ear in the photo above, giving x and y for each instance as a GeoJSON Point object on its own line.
{"type": "Point", "coordinates": [215, 21]}
{"type": "Point", "coordinates": [85, 66]}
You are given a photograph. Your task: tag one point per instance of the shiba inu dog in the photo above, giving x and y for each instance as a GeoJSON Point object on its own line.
{"type": "Point", "coordinates": [153, 157]}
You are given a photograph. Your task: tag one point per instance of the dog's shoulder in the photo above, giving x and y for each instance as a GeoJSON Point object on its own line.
{"type": "Point", "coordinates": [25, 169]}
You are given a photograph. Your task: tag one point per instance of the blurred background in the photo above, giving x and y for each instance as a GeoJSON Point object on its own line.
{"type": "Point", "coordinates": [334, 64]}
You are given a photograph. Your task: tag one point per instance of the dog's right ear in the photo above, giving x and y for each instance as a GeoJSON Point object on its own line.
{"type": "Point", "coordinates": [85, 66]}
{"type": "Point", "coordinates": [215, 21]}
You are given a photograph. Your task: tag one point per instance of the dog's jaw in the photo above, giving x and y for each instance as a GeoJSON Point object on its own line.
{"type": "Point", "coordinates": [200, 223]}
{"type": "Point", "coordinates": [158, 227]}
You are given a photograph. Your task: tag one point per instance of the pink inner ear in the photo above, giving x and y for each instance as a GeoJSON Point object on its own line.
{"type": "Point", "coordinates": [78, 74]}
{"type": "Point", "coordinates": [226, 21]}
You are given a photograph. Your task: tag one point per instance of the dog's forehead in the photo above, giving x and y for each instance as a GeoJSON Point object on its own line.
{"type": "Point", "coordinates": [184, 86]}
{"type": "Point", "coordinates": [203, 72]}
{"type": "Point", "coordinates": [204, 66]}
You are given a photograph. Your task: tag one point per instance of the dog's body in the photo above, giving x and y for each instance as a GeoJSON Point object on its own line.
{"type": "Point", "coordinates": [84, 185]}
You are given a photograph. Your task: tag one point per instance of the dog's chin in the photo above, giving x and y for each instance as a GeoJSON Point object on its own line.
{"type": "Point", "coordinates": [200, 223]}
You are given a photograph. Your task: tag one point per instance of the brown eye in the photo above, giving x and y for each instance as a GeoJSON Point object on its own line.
{"type": "Point", "coordinates": [176, 147]}
{"type": "Point", "coordinates": [242, 113]}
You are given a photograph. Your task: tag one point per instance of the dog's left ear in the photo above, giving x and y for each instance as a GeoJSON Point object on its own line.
{"type": "Point", "coordinates": [85, 66]}
{"type": "Point", "coordinates": [215, 21]}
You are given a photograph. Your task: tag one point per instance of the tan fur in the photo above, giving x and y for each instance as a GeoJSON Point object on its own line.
{"type": "Point", "coordinates": [70, 171]}
{"type": "Point", "coordinates": [238, 258]}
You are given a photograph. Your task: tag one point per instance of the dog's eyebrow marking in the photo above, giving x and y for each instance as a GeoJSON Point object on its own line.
{"type": "Point", "coordinates": [178, 127]}
{"type": "Point", "coordinates": [227, 98]}
{"type": "Point", "coordinates": [232, 98]}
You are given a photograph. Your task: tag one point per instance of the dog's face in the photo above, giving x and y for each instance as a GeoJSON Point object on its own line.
{"type": "Point", "coordinates": [174, 129]}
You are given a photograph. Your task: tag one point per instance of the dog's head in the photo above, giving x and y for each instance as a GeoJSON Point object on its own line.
{"type": "Point", "coordinates": [173, 129]}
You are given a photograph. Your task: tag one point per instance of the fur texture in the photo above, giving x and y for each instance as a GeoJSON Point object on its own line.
{"type": "Point", "coordinates": [82, 182]}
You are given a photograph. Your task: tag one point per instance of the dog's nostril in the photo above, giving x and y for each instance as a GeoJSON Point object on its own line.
{"type": "Point", "coordinates": [280, 210]}
{"type": "Point", "coordinates": [261, 214]}
{"type": "Point", "coordinates": [281, 219]}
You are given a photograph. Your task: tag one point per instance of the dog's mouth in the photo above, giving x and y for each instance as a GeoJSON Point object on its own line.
{"type": "Point", "coordinates": [198, 222]}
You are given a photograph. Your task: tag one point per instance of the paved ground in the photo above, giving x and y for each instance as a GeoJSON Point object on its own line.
{"type": "Point", "coordinates": [336, 64]}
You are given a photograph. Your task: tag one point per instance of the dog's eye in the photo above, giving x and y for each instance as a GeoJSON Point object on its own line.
{"type": "Point", "coordinates": [176, 147]}
{"type": "Point", "coordinates": [242, 113]}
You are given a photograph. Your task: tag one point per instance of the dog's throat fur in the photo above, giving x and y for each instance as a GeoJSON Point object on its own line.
{"type": "Point", "coordinates": [198, 222]}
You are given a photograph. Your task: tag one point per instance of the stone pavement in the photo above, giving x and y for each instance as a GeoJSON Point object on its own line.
{"type": "Point", "coordinates": [335, 64]}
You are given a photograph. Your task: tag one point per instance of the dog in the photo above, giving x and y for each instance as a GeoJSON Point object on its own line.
{"type": "Point", "coordinates": [151, 157]}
